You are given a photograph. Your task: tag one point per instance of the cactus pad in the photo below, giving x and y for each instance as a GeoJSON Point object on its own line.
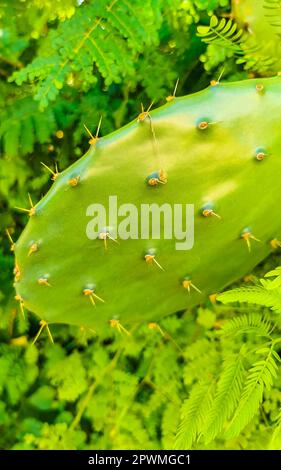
{"type": "Point", "coordinates": [218, 149]}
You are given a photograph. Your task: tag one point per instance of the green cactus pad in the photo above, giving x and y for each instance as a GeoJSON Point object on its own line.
{"type": "Point", "coordinates": [64, 277]}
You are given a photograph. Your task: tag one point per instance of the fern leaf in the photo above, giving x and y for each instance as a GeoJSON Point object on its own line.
{"type": "Point", "coordinates": [226, 34]}
{"type": "Point", "coordinates": [227, 395]}
{"type": "Point", "coordinates": [254, 295]}
{"type": "Point", "coordinates": [104, 34]}
{"type": "Point", "coordinates": [252, 323]}
{"type": "Point", "coordinates": [260, 376]}
{"type": "Point", "coordinates": [22, 126]}
{"type": "Point", "coordinates": [223, 33]}
{"type": "Point", "coordinates": [193, 414]}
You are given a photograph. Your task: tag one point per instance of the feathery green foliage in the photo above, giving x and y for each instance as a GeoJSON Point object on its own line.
{"type": "Point", "coordinates": [226, 34]}
{"type": "Point", "coordinates": [227, 395]}
{"type": "Point", "coordinates": [108, 35]}
{"type": "Point", "coordinates": [249, 369]}
{"type": "Point", "coordinates": [193, 414]}
{"type": "Point", "coordinates": [223, 33]}
{"type": "Point", "coordinates": [253, 322]}
{"type": "Point", "coordinates": [24, 125]}
{"type": "Point", "coordinates": [259, 295]}
{"type": "Point", "coordinates": [260, 375]}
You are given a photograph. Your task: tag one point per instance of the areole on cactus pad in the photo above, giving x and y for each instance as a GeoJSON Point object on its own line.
{"type": "Point", "coordinates": [218, 149]}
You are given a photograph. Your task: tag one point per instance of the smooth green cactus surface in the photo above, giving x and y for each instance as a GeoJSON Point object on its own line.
{"type": "Point", "coordinates": [219, 149]}
{"type": "Point", "coordinates": [261, 18]}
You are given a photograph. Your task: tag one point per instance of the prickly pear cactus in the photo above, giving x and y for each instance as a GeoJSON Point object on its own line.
{"type": "Point", "coordinates": [218, 149]}
{"type": "Point", "coordinates": [261, 18]}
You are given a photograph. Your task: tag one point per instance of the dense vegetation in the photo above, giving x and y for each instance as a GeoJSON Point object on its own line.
{"type": "Point", "coordinates": [206, 378]}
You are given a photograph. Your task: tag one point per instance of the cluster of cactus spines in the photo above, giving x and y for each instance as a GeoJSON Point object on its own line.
{"type": "Point", "coordinates": [219, 150]}
{"type": "Point", "coordinates": [261, 18]}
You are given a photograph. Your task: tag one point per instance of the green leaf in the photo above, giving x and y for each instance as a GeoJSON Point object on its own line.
{"type": "Point", "coordinates": [69, 376]}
